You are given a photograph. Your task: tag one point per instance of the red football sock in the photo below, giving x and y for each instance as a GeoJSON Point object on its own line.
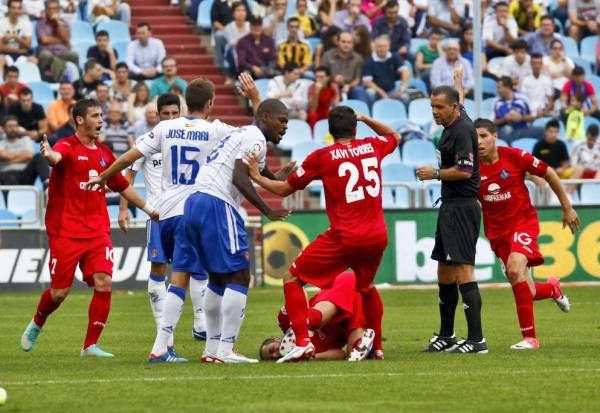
{"type": "Point", "coordinates": [297, 308]}
{"type": "Point", "coordinates": [524, 302]}
{"type": "Point", "coordinates": [45, 307]}
{"type": "Point", "coordinates": [98, 314]}
{"type": "Point", "coordinates": [314, 318]}
{"type": "Point", "coordinates": [543, 291]}
{"type": "Point", "coordinates": [373, 307]}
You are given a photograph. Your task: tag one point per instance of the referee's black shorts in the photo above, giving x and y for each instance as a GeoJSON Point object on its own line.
{"type": "Point", "coordinates": [457, 231]}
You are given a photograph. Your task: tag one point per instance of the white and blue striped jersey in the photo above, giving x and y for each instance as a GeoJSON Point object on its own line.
{"type": "Point", "coordinates": [184, 143]}
{"type": "Point", "coordinates": [152, 169]}
{"type": "Point", "coordinates": [216, 176]}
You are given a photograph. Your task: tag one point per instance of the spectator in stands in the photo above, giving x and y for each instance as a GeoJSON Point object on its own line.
{"type": "Point", "coordinates": [69, 10]}
{"type": "Point", "coordinates": [527, 14]}
{"type": "Point", "coordinates": [169, 78]}
{"type": "Point", "coordinates": [103, 10]}
{"type": "Point", "coordinates": [395, 27]}
{"type": "Point", "coordinates": [122, 86]}
{"type": "Point", "coordinates": [145, 54]}
{"type": "Point", "coordinates": [350, 17]}
{"type": "Point", "coordinates": [466, 48]}
{"type": "Point", "coordinates": [175, 90]}
{"type": "Point", "coordinates": [322, 96]}
{"type": "Point", "coordinates": [34, 9]}
{"type": "Point", "coordinates": [31, 116]}
{"type": "Point", "coordinates": [137, 102]}
{"type": "Point", "coordinates": [327, 10]}
{"type": "Point", "coordinates": [561, 12]}
{"type": "Point", "coordinates": [575, 119]}
{"type": "Point", "coordinates": [517, 66]}
{"type": "Point", "coordinates": [18, 164]}
{"type": "Point", "coordinates": [540, 40]}
{"type": "Point", "coordinates": [362, 41]}
{"type": "Point", "coordinates": [308, 23]}
{"type": "Point", "coordinates": [443, 68]}
{"type": "Point", "coordinates": [511, 113]}
{"type": "Point", "coordinates": [59, 110]}
{"type": "Point", "coordinates": [345, 65]}
{"type": "Point", "coordinates": [415, 14]}
{"type": "Point", "coordinates": [11, 89]}
{"type": "Point", "coordinates": [228, 26]}
{"type": "Point", "coordinates": [102, 95]}
{"type": "Point", "coordinates": [256, 52]}
{"type": "Point", "coordinates": [289, 90]}
{"type": "Point", "coordinates": [586, 154]}
{"type": "Point", "coordinates": [537, 88]}
{"type": "Point", "coordinates": [373, 9]}
{"type": "Point", "coordinates": [499, 32]}
{"type": "Point", "coordinates": [427, 54]}
{"type": "Point", "coordinates": [92, 75]}
{"type": "Point", "coordinates": [329, 40]}
{"type": "Point", "coordinates": [557, 66]}
{"type": "Point", "coordinates": [554, 152]}
{"type": "Point", "coordinates": [150, 120]}
{"type": "Point", "coordinates": [380, 72]}
{"type": "Point", "coordinates": [15, 31]}
{"type": "Point", "coordinates": [583, 16]}
{"type": "Point", "coordinates": [118, 134]}
{"type": "Point", "coordinates": [54, 39]}
{"type": "Point", "coordinates": [233, 32]}
{"type": "Point", "coordinates": [274, 24]}
{"type": "Point", "coordinates": [104, 54]}
{"type": "Point", "coordinates": [577, 84]}
{"type": "Point", "coordinates": [293, 50]}
{"type": "Point", "coordinates": [447, 16]}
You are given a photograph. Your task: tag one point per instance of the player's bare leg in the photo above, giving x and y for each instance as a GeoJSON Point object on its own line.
{"type": "Point", "coordinates": [98, 315]}
{"type": "Point", "coordinates": [50, 300]}
{"type": "Point", "coordinates": [448, 300]}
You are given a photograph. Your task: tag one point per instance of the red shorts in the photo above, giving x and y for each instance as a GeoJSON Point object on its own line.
{"type": "Point", "coordinates": [325, 258]}
{"type": "Point", "coordinates": [523, 240]}
{"type": "Point", "coordinates": [93, 255]}
{"type": "Point", "coordinates": [341, 294]}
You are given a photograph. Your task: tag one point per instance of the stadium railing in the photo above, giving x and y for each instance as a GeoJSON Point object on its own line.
{"type": "Point", "coordinates": [21, 215]}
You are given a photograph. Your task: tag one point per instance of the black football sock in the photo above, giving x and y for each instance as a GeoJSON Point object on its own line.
{"type": "Point", "coordinates": [472, 305]}
{"type": "Point", "coordinates": [448, 295]}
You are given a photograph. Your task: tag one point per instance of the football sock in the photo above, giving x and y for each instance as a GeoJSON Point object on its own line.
{"type": "Point", "coordinates": [171, 312]}
{"type": "Point", "coordinates": [45, 307]}
{"type": "Point", "coordinates": [524, 302]}
{"type": "Point", "coordinates": [314, 318]}
{"type": "Point", "coordinates": [448, 300]}
{"type": "Point", "coordinates": [233, 309]}
{"type": "Point", "coordinates": [543, 291]}
{"type": "Point", "coordinates": [157, 291]}
{"type": "Point", "coordinates": [373, 309]}
{"type": "Point", "coordinates": [212, 311]}
{"type": "Point", "coordinates": [472, 305]}
{"type": "Point", "coordinates": [197, 290]}
{"type": "Point", "coordinates": [297, 308]}
{"type": "Point", "coordinates": [98, 314]}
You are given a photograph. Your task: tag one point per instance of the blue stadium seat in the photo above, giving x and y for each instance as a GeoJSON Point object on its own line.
{"type": "Point", "coordinates": [595, 81]}
{"type": "Point", "coordinates": [301, 150]}
{"type": "Point", "coordinates": [501, 142]}
{"type": "Point", "coordinates": [5, 214]}
{"type": "Point", "coordinates": [28, 215]}
{"type": "Point", "coordinates": [397, 172]}
{"type": "Point", "coordinates": [469, 105]}
{"type": "Point", "coordinates": [416, 43]}
{"type": "Point", "coordinates": [321, 130]}
{"type": "Point", "coordinates": [113, 212]}
{"type": "Point", "coordinates": [590, 194]}
{"type": "Point", "coordinates": [42, 93]}
{"type": "Point", "coordinates": [586, 64]}
{"type": "Point", "coordinates": [117, 30]}
{"type": "Point", "coordinates": [432, 194]}
{"type": "Point", "coordinates": [588, 49]}
{"type": "Point", "coordinates": [204, 15]}
{"type": "Point", "coordinates": [418, 152]}
{"type": "Point", "coordinates": [28, 72]}
{"type": "Point", "coordinates": [121, 49]}
{"type": "Point", "coordinates": [20, 201]}
{"type": "Point", "coordinates": [82, 31]}
{"type": "Point", "coordinates": [588, 120]}
{"type": "Point", "coordinates": [364, 131]}
{"type": "Point", "coordinates": [419, 112]}
{"type": "Point", "coordinates": [392, 158]}
{"type": "Point", "coordinates": [297, 131]}
{"type": "Point", "coordinates": [487, 107]}
{"type": "Point", "coordinates": [313, 42]}
{"type": "Point", "coordinates": [541, 123]}
{"type": "Point", "coordinates": [81, 48]}
{"type": "Point", "coordinates": [261, 85]}
{"type": "Point", "coordinates": [357, 105]}
{"type": "Point", "coordinates": [525, 144]}
{"type": "Point", "coordinates": [488, 85]}
{"type": "Point", "coordinates": [418, 84]}
{"type": "Point", "coordinates": [390, 111]}
{"type": "Point", "coordinates": [571, 49]}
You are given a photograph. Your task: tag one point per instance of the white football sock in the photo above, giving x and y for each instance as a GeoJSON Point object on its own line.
{"type": "Point", "coordinates": [157, 291]}
{"type": "Point", "coordinates": [233, 310]}
{"type": "Point", "coordinates": [197, 293]}
{"type": "Point", "coordinates": [212, 311]}
{"type": "Point", "coordinates": [171, 313]}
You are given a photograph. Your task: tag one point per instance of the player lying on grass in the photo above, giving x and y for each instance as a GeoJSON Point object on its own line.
{"type": "Point", "coordinates": [336, 322]}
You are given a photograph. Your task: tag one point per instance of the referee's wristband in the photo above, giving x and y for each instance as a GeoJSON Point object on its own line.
{"type": "Point", "coordinates": [148, 209]}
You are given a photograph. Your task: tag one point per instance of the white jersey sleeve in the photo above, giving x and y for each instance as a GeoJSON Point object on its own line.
{"type": "Point", "coordinates": [254, 144]}
{"type": "Point", "coordinates": [150, 143]}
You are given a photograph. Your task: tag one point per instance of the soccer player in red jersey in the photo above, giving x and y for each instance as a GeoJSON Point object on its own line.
{"type": "Point", "coordinates": [512, 226]}
{"type": "Point", "coordinates": [336, 320]}
{"type": "Point", "coordinates": [78, 226]}
{"type": "Point", "coordinates": [350, 169]}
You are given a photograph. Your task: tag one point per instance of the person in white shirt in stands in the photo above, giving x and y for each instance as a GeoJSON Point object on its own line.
{"type": "Point", "coordinates": [586, 154]}
{"type": "Point", "coordinates": [557, 65]}
{"type": "Point", "coordinates": [68, 10]}
{"type": "Point", "coordinates": [101, 10]}
{"type": "Point", "coordinates": [537, 88]}
{"type": "Point", "coordinates": [150, 120]}
{"type": "Point", "coordinates": [447, 16]}
{"type": "Point", "coordinates": [15, 31]}
{"type": "Point", "coordinates": [500, 32]}
{"type": "Point", "coordinates": [34, 9]}
{"type": "Point", "coordinates": [289, 90]}
{"type": "Point", "coordinates": [517, 66]}
{"type": "Point", "coordinates": [145, 54]}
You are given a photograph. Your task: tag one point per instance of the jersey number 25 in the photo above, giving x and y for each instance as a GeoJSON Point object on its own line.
{"type": "Point", "coordinates": [356, 192]}
{"type": "Point", "coordinates": [179, 159]}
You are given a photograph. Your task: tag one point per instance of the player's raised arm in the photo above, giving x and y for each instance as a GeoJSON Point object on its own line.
{"type": "Point", "coordinates": [131, 195]}
{"type": "Point", "coordinates": [121, 163]}
{"type": "Point", "coordinates": [457, 76]}
{"type": "Point", "coordinates": [249, 90]}
{"type": "Point", "coordinates": [46, 150]}
{"type": "Point", "coordinates": [281, 188]}
{"type": "Point", "coordinates": [569, 217]}
{"type": "Point", "coordinates": [380, 128]}
{"type": "Point", "coordinates": [124, 220]}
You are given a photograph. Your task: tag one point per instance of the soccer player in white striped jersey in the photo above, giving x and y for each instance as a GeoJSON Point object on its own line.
{"type": "Point", "coordinates": [215, 228]}
{"type": "Point", "coordinates": [184, 144]}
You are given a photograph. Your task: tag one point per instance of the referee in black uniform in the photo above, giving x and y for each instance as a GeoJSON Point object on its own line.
{"type": "Point", "coordinates": [458, 223]}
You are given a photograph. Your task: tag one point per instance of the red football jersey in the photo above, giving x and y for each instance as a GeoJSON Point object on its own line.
{"type": "Point", "coordinates": [73, 211]}
{"type": "Point", "coordinates": [503, 194]}
{"type": "Point", "coordinates": [351, 175]}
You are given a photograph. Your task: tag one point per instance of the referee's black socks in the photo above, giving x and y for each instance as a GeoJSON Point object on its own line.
{"type": "Point", "coordinates": [472, 305]}
{"type": "Point", "coordinates": [448, 294]}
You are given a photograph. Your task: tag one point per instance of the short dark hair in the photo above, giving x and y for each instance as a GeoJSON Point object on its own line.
{"type": "Point", "coordinates": [168, 58]}
{"type": "Point", "coordinates": [537, 55]}
{"type": "Point", "coordinates": [101, 33]}
{"type": "Point", "coordinates": [506, 81]}
{"type": "Point", "coordinates": [323, 69]}
{"type": "Point", "coordinates": [11, 69]}
{"type": "Point", "coordinates": [199, 92]}
{"type": "Point", "coordinates": [237, 4]}
{"type": "Point", "coordinates": [121, 65]}
{"type": "Point", "coordinates": [342, 122]}
{"type": "Point", "coordinates": [552, 123]}
{"type": "Point", "coordinates": [26, 92]}
{"type": "Point", "coordinates": [12, 117]}
{"type": "Point", "coordinates": [90, 64]}
{"type": "Point", "coordinates": [255, 20]}
{"type": "Point", "coordinates": [547, 17]}
{"type": "Point", "coordinates": [500, 4]}
{"type": "Point", "coordinates": [101, 85]}
{"type": "Point", "coordinates": [435, 30]}
{"type": "Point", "coordinates": [292, 19]}
{"type": "Point", "coordinates": [9, 2]}
{"type": "Point", "coordinates": [450, 93]}
{"type": "Point", "coordinates": [390, 4]}
{"type": "Point", "coordinates": [578, 71]}
{"type": "Point", "coordinates": [144, 24]}
{"type": "Point", "coordinates": [592, 130]}
{"type": "Point", "coordinates": [81, 107]}
{"type": "Point", "coordinates": [520, 45]}
{"type": "Point", "coordinates": [289, 67]}
{"type": "Point", "coordinates": [485, 123]}
{"type": "Point", "coordinates": [272, 106]}
{"type": "Point", "coordinates": [264, 343]}
{"type": "Point", "coordinates": [167, 99]}
{"type": "Point", "coordinates": [65, 82]}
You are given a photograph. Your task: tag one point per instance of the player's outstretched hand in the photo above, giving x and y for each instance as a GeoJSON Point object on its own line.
{"type": "Point", "coordinates": [45, 148]}
{"type": "Point", "coordinates": [154, 216]}
{"type": "Point", "coordinates": [247, 86]}
{"type": "Point", "coordinates": [252, 163]}
{"type": "Point", "coordinates": [279, 214]}
{"type": "Point", "coordinates": [124, 220]}
{"type": "Point", "coordinates": [571, 219]}
{"type": "Point", "coordinates": [94, 183]}
{"type": "Point", "coordinates": [424, 173]}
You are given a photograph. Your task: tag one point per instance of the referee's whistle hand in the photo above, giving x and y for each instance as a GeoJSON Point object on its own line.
{"type": "Point", "coordinates": [424, 173]}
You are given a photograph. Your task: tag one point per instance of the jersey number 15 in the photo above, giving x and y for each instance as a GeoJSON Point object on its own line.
{"type": "Point", "coordinates": [356, 192]}
{"type": "Point", "coordinates": [179, 159]}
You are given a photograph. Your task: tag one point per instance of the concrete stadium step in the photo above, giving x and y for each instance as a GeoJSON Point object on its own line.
{"type": "Point", "coordinates": [154, 10]}
{"type": "Point", "coordinates": [194, 69]}
{"type": "Point", "coordinates": [184, 58]}
{"type": "Point", "coordinates": [180, 39]}
{"type": "Point", "coordinates": [160, 30]}
{"type": "Point", "coordinates": [157, 19]}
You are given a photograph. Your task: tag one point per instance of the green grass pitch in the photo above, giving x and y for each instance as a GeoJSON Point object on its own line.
{"type": "Point", "coordinates": [564, 376]}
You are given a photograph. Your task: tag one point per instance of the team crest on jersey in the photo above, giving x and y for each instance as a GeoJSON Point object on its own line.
{"type": "Point", "coordinates": [102, 163]}
{"type": "Point", "coordinates": [504, 174]}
